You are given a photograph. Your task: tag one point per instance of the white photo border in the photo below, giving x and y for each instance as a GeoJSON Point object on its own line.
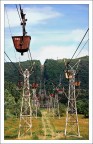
{"type": "Point", "coordinates": [90, 73]}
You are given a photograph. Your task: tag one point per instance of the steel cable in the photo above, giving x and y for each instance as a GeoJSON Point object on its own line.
{"type": "Point", "coordinates": [78, 46]}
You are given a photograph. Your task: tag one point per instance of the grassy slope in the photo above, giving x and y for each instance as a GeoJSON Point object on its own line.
{"type": "Point", "coordinates": [58, 125]}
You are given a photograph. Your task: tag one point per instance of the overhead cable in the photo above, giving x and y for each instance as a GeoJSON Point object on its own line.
{"type": "Point", "coordinates": [82, 48]}
{"type": "Point", "coordinates": [30, 57]}
{"type": "Point", "coordinates": [78, 46]}
{"type": "Point", "coordinates": [18, 12]}
{"type": "Point", "coordinates": [11, 61]}
{"type": "Point", "coordinates": [8, 22]}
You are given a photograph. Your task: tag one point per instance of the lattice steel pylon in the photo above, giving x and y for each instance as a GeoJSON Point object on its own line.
{"type": "Point", "coordinates": [25, 125]}
{"type": "Point", "coordinates": [35, 101]}
{"type": "Point", "coordinates": [58, 90]}
{"type": "Point", "coordinates": [72, 124]}
{"type": "Point", "coordinates": [56, 104]}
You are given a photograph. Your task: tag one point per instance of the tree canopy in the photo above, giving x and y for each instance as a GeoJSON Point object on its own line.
{"type": "Point", "coordinates": [49, 73]}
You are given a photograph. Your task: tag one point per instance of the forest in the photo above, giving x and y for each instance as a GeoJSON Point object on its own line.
{"type": "Point", "coordinates": [47, 77]}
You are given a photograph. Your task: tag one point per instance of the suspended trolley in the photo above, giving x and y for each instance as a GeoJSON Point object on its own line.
{"type": "Point", "coordinates": [22, 43]}
{"type": "Point", "coordinates": [34, 85]}
{"type": "Point", "coordinates": [68, 74]}
{"type": "Point", "coordinates": [77, 83]}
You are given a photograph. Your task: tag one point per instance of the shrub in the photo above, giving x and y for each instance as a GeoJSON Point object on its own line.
{"type": "Point", "coordinates": [83, 107]}
{"type": "Point", "coordinates": [62, 110]}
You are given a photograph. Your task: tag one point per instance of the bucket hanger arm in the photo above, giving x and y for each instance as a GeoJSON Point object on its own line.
{"type": "Point", "coordinates": [23, 23]}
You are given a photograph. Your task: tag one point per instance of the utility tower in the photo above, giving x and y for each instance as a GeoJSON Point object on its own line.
{"type": "Point", "coordinates": [35, 101]}
{"type": "Point", "coordinates": [58, 91]}
{"type": "Point", "coordinates": [25, 125]}
{"type": "Point", "coordinates": [51, 103]}
{"type": "Point", "coordinates": [72, 125]}
{"type": "Point", "coordinates": [56, 104]}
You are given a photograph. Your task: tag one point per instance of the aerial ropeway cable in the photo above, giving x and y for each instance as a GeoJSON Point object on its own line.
{"type": "Point", "coordinates": [22, 43]}
{"type": "Point", "coordinates": [78, 46]}
{"type": "Point", "coordinates": [68, 74]}
{"type": "Point", "coordinates": [82, 48]}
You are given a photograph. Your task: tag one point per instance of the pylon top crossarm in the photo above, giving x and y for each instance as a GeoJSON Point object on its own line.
{"type": "Point", "coordinates": [72, 67]}
{"type": "Point", "coordinates": [23, 72]}
{"type": "Point", "coordinates": [26, 73]}
{"type": "Point", "coordinates": [71, 70]}
{"type": "Point", "coordinates": [77, 64]}
{"type": "Point", "coordinates": [31, 69]}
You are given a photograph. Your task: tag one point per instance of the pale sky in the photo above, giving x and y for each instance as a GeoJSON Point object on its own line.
{"type": "Point", "coordinates": [55, 30]}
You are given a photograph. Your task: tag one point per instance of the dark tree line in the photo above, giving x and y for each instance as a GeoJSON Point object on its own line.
{"type": "Point", "coordinates": [49, 74]}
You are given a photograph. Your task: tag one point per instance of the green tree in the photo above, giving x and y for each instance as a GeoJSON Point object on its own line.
{"type": "Point", "coordinates": [62, 110]}
{"type": "Point", "coordinates": [83, 107]}
{"type": "Point", "coordinates": [9, 104]}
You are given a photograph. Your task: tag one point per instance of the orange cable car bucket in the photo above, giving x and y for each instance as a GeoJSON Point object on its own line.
{"type": "Point", "coordinates": [68, 75]}
{"type": "Point", "coordinates": [21, 43]}
{"type": "Point", "coordinates": [77, 83]}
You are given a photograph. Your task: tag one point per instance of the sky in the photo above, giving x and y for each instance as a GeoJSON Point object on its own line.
{"type": "Point", "coordinates": [55, 29]}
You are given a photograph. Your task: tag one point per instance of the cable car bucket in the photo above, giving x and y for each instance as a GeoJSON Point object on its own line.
{"type": "Point", "coordinates": [21, 43]}
{"type": "Point", "coordinates": [77, 83]}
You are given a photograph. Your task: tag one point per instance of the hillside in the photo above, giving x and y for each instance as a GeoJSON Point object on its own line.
{"type": "Point", "coordinates": [49, 74]}
{"type": "Point", "coordinates": [11, 71]}
{"type": "Point", "coordinates": [50, 71]}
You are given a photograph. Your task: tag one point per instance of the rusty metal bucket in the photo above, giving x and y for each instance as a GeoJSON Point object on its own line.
{"type": "Point", "coordinates": [21, 43]}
